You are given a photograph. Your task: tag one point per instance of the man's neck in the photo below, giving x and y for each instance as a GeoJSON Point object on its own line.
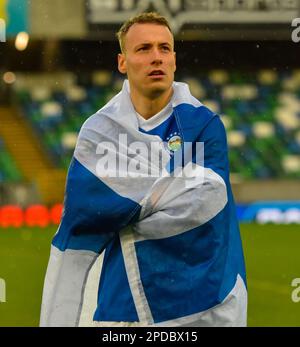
{"type": "Point", "coordinates": [148, 107]}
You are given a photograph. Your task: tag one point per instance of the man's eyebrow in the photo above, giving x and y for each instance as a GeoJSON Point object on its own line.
{"type": "Point", "coordinates": [150, 44]}
{"type": "Point", "coordinates": [144, 44]}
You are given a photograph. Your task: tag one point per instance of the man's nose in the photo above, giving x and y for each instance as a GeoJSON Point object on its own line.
{"type": "Point", "coordinates": [156, 56]}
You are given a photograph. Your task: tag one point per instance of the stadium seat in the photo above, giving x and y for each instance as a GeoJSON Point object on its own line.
{"type": "Point", "coordinates": [40, 94]}
{"type": "Point", "coordinates": [196, 88]}
{"type": "Point", "coordinates": [69, 140]}
{"type": "Point", "coordinates": [227, 121]}
{"type": "Point", "coordinates": [236, 138]}
{"type": "Point", "coordinates": [102, 78]}
{"type": "Point", "coordinates": [212, 105]}
{"type": "Point", "coordinates": [218, 77]}
{"type": "Point", "coordinates": [51, 109]}
{"type": "Point", "coordinates": [76, 93]}
{"type": "Point", "coordinates": [267, 77]}
{"type": "Point", "coordinates": [291, 164]}
{"type": "Point", "coordinates": [263, 129]}
{"type": "Point", "coordinates": [287, 118]}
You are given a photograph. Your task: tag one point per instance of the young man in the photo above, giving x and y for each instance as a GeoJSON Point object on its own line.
{"type": "Point", "coordinates": [173, 254]}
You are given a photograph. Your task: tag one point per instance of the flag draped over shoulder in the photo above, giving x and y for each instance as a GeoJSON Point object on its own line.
{"type": "Point", "coordinates": [165, 215]}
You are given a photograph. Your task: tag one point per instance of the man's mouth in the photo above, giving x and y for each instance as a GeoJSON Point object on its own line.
{"type": "Point", "coordinates": [156, 73]}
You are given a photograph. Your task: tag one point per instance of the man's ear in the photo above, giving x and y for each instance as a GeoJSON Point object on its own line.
{"type": "Point", "coordinates": [122, 63]}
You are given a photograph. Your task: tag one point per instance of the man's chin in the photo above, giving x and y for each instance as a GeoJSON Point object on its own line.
{"type": "Point", "coordinates": [158, 88]}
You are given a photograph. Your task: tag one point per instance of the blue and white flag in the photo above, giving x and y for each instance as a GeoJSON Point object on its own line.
{"type": "Point", "coordinates": [165, 216]}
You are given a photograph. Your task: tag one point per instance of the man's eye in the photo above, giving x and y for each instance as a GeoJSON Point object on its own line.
{"type": "Point", "coordinates": [166, 48]}
{"type": "Point", "coordinates": [142, 48]}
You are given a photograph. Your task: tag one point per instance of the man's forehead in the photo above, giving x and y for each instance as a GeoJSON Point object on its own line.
{"type": "Point", "coordinates": [143, 33]}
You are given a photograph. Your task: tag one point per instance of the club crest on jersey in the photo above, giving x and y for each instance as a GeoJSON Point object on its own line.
{"type": "Point", "coordinates": [174, 142]}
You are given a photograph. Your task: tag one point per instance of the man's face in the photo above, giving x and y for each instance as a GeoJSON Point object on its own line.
{"type": "Point", "coordinates": [148, 59]}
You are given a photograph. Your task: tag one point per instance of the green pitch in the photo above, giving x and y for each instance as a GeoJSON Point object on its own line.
{"type": "Point", "coordinates": [272, 260]}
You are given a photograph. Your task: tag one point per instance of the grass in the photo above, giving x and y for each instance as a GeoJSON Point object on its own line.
{"type": "Point", "coordinates": [272, 261]}
{"type": "Point", "coordinates": [271, 253]}
{"type": "Point", "coordinates": [23, 260]}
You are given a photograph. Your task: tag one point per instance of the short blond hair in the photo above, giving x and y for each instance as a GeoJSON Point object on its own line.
{"type": "Point", "coordinates": [145, 17]}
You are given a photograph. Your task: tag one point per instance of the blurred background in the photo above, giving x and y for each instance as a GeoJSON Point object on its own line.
{"type": "Point", "coordinates": [58, 66]}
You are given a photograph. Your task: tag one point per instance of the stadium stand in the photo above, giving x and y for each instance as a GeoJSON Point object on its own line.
{"type": "Point", "coordinates": [9, 171]}
{"type": "Point", "coordinates": [260, 111]}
